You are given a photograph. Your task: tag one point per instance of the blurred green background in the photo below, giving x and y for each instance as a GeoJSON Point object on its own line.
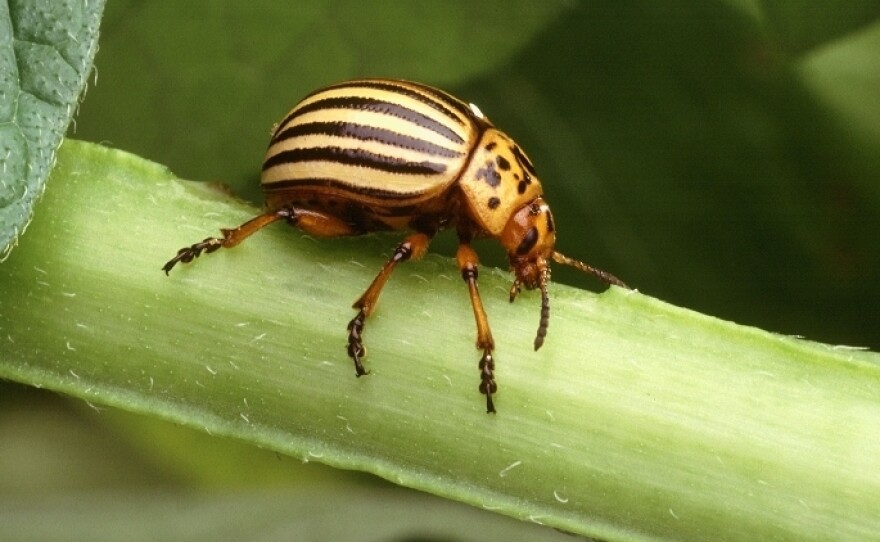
{"type": "Point", "coordinates": [720, 155]}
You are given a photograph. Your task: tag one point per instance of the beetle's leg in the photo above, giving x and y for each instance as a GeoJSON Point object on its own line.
{"type": "Point", "coordinates": [413, 247]}
{"type": "Point", "coordinates": [231, 237]}
{"type": "Point", "coordinates": [312, 222]}
{"type": "Point", "coordinates": [467, 263]}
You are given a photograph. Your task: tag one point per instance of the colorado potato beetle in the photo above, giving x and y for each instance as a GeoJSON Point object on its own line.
{"type": "Point", "coordinates": [378, 154]}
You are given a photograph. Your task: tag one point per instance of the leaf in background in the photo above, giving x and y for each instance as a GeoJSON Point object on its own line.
{"type": "Point", "coordinates": [214, 76]}
{"type": "Point", "coordinates": [116, 476]}
{"type": "Point", "coordinates": [274, 515]}
{"type": "Point", "coordinates": [798, 26]}
{"type": "Point", "coordinates": [46, 53]}
{"type": "Point", "coordinates": [845, 76]}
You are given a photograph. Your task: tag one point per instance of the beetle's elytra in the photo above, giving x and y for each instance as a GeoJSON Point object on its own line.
{"type": "Point", "coordinates": [376, 154]}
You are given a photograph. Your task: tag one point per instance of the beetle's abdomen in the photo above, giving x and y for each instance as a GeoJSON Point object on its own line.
{"type": "Point", "coordinates": [375, 142]}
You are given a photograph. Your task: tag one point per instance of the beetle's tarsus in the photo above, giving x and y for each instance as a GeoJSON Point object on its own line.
{"type": "Point", "coordinates": [487, 379]}
{"type": "Point", "coordinates": [188, 254]}
{"type": "Point", "coordinates": [356, 348]}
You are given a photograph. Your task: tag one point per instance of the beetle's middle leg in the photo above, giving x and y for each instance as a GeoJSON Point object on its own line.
{"type": "Point", "coordinates": [467, 263]}
{"type": "Point", "coordinates": [413, 247]}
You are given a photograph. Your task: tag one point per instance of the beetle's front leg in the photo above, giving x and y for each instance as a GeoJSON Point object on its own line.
{"type": "Point", "coordinates": [467, 263]}
{"type": "Point", "coordinates": [413, 247]}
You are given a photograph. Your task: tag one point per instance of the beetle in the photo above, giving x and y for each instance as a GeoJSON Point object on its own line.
{"type": "Point", "coordinates": [380, 154]}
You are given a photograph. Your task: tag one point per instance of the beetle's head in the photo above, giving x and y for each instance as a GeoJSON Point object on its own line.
{"type": "Point", "coordinates": [529, 238]}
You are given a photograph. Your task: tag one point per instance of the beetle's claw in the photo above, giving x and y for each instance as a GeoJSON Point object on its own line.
{"type": "Point", "coordinates": [188, 254]}
{"type": "Point", "coordinates": [356, 348]}
{"type": "Point", "coordinates": [515, 289]}
{"type": "Point", "coordinates": [487, 379]}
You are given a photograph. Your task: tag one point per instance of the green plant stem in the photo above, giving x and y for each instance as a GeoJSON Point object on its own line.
{"type": "Point", "coordinates": [637, 420]}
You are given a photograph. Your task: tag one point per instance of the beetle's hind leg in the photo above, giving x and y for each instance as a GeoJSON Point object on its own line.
{"type": "Point", "coordinates": [231, 237]}
{"type": "Point", "coordinates": [313, 222]}
{"type": "Point", "coordinates": [413, 247]}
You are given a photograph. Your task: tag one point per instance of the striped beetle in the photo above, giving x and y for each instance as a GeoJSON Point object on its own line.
{"type": "Point", "coordinates": [377, 154]}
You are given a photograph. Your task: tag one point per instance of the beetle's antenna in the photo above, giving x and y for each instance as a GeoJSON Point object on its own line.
{"type": "Point", "coordinates": [543, 278]}
{"type": "Point", "coordinates": [604, 276]}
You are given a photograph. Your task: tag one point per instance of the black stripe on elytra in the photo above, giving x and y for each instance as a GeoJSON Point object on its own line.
{"type": "Point", "coordinates": [377, 106]}
{"type": "Point", "coordinates": [523, 159]}
{"type": "Point", "coordinates": [355, 157]}
{"type": "Point", "coordinates": [347, 186]}
{"type": "Point", "coordinates": [366, 133]}
{"type": "Point", "coordinates": [432, 97]}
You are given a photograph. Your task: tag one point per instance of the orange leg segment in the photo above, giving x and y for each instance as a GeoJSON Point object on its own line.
{"type": "Point", "coordinates": [413, 247]}
{"type": "Point", "coordinates": [468, 263]}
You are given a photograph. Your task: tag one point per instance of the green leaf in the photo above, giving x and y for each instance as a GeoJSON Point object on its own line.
{"type": "Point", "coordinates": [46, 52]}
{"type": "Point", "coordinates": [845, 77]}
{"type": "Point", "coordinates": [637, 420]}
{"type": "Point", "coordinates": [799, 26]}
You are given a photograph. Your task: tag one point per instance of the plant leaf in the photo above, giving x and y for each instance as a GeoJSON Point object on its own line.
{"type": "Point", "coordinates": [46, 53]}
{"type": "Point", "coordinates": [798, 27]}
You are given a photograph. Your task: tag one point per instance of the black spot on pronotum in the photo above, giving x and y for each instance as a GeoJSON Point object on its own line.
{"type": "Point", "coordinates": [521, 187]}
{"type": "Point", "coordinates": [502, 163]}
{"type": "Point", "coordinates": [491, 146]}
{"type": "Point", "coordinates": [528, 242]}
{"type": "Point", "coordinates": [523, 159]}
{"type": "Point", "coordinates": [489, 174]}
{"type": "Point", "coordinates": [494, 202]}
